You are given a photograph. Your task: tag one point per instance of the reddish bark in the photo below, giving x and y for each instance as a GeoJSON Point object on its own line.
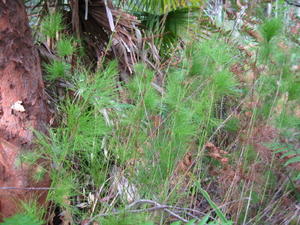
{"type": "Point", "coordinates": [20, 80]}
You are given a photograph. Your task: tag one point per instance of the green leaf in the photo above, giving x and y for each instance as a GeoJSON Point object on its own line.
{"type": "Point", "coordinates": [290, 153]}
{"type": "Point", "coordinates": [297, 177]}
{"type": "Point", "coordinates": [281, 150]}
{"type": "Point", "coordinates": [212, 204]}
{"type": "Point", "coordinates": [292, 160]}
{"type": "Point", "coordinates": [192, 222]}
{"type": "Point", "coordinates": [204, 220]}
{"type": "Point", "coordinates": [176, 223]}
{"type": "Point", "coordinates": [148, 223]}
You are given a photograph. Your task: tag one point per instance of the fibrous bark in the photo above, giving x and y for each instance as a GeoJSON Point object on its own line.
{"type": "Point", "coordinates": [22, 106]}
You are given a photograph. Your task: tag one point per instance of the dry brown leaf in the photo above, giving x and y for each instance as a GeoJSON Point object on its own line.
{"type": "Point", "coordinates": [217, 153]}
{"type": "Point", "coordinates": [185, 164]}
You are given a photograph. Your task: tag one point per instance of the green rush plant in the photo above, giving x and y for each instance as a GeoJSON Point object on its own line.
{"type": "Point", "coordinates": [25, 219]}
{"type": "Point", "coordinates": [65, 47]}
{"type": "Point", "coordinates": [269, 30]}
{"type": "Point", "coordinates": [186, 106]}
{"type": "Point", "coordinates": [52, 24]}
{"type": "Point", "coordinates": [57, 69]}
{"type": "Point", "coordinates": [31, 214]}
{"type": "Point", "coordinates": [96, 127]}
{"type": "Point", "coordinates": [100, 129]}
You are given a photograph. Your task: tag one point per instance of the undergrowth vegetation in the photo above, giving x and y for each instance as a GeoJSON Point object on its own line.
{"type": "Point", "coordinates": [216, 141]}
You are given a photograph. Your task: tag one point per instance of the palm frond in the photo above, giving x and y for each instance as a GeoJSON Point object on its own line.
{"type": "Point", "coordinates": [158, 6]}
{"type": "Point", "coordinates": [170, 26]}
{"type": "Point", "coordinates": [107, 31]}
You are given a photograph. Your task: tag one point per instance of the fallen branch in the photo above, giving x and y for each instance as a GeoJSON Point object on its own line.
{"type": "Point", "coordinates": [26, 188]}
{"type": "Point", "coordinates": [157, 206]}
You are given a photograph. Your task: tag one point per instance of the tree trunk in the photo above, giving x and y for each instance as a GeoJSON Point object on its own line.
{"type": "Point", "coordinates": [22, 107]}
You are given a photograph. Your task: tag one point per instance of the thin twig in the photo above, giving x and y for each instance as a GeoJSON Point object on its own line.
{"type": "Point", "coordinates": [176, 215]}
{"type": "Point", "coordinates": [190, 214]}
{"type": "Point", "coordinates": [188, 209]}
{"type": "Point", "coordinates": [157, 206]}
{"type": "Point", "coordinates": [166, 208]}
{"type": "Point", "coordinates": [126, 211]}
{"type": "Point", "coordinates": [86, 9]}
{"type": "Point", "coordinates": [26, 188]}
